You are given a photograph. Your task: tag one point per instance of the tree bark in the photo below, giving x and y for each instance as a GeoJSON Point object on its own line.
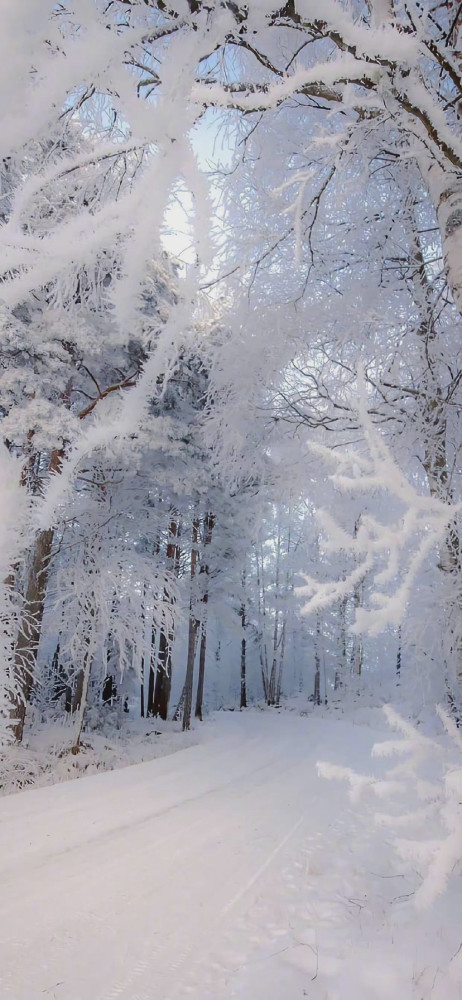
{"type": "Point", "coordinates": [434, 409]}
{"type": "Point", "coordinates": [262, 623]}
{"type": "Point", "coordinates": [83, 682]}
{"type": "Point", "coordinates": [445, 189]}
{"type": "Point", "coordinates": [341, 663]}
{"type": "Point", "coordinates": [317, 664]}
{"type": "Point", "coordinates": [25, 654]}
{"type": "Point", "coordinates": [272, 680]}
{"type": "Point", "coordinates": [281, 661]}
{"type": "Point", "coordinates": [209, 522]}
{"type": "Point", "coordinates": [243, 701]}
{"type": "Point", "coordinates": [357, 651]}
{"type": "Point", "coordinates": [152, 674]}
{"type": "Point", "coordinates": [25, 657]}
{"type": "Point", "coordinates": [26, 649]}
{"type": "Point", "coordinates": [201, 676]}
{"type": "Point", "coordinates": [163, 681]}
{"type": "Point", "coordinates": [193, 627]}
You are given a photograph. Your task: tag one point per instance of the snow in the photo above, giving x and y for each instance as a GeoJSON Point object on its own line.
{"type": "Point", "coordinates": [44, 758]}
{"type": "Point", "coordinates": [344, 67]}
{"type": "Point", "coordinates": [230, 869]}
{"type": "Point", "coordinates": [390, 552]}
{"type": "Point", "coordinates": [385, 42]}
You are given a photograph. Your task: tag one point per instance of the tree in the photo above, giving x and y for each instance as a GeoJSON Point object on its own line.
{"type": "Point", "coordinates": [318, 104]}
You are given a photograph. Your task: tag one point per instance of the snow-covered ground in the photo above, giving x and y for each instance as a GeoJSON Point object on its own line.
{"type": "Point", "coordinates": [227, 870]}
{"type": "Point", "coordinates": [44, 758]}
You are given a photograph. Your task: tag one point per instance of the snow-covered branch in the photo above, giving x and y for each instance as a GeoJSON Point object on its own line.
{"type": "Point", "coordinates": [387, 552]}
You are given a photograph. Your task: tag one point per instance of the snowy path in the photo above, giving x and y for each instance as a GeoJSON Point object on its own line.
{"type": "Point", "coordinates": [206, 874]}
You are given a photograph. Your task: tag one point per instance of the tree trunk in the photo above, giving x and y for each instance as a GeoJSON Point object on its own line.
{"type": "Point", "coordinates": [79, 701]}
{"type": "Point", "coordinates": [341, 663]}
{"type": "Point", "coordinates": [243, 703]}
{"type": "Point", "coordinates": [281, 661]}
{"type": "Point", "coordinates": [289, 588]}
{"type": "Point", "coordinates": [179, 708]}
{"type": "Point", "coordinates": [317, 664]}
{"type": "Point", "coordinates": [272, 680]}
{"type": "Point", "coordinates": [162, 656]}
{"type": "Point", "coordinates": [152, 675]}
{"type": "Point", "coordinates": [83, 682]}
{"type": "Point", "coordinates": [446, 192]}
{"type": "Point", "coordinates": [445, 189]}
{"type": "Point", "coordinates": [25, 654]}
{"type": "Point", "coordinates": [264, 676]}
{"type": "Point", "coordinates": [201, 677]}
{"type": "Point", "coordinates": [209, 522]}
{"type": "Point", "coordinates": [357, 652]}
{"type": "Point", "coordinates": [163, 683]}
{"type": "Point", "coordinates": [192, 642]}
{"type": "Point", "coordinates": [60, 679]}
{"type": "Point", "coordinates": [78, 691]}
{"type": "Point", "coordinates": [262, 622]}
{"type": "Point", "coordinates": [142, 690]}
{"type": "Point", "coordinates": [192, 635]}
{"type": "Point", "coordinates": [163, 680]}
{"type": "Point", "coordinates": [358, 646]}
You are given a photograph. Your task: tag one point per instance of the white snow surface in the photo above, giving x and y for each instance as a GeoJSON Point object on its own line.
{"type": "Point", "coordinates": [229, 869]}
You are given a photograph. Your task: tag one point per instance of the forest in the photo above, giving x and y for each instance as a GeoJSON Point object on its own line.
{"type": "Point", "coordinates": [231, 279]}
{"type": "Point", "coordinates": [231, 396]}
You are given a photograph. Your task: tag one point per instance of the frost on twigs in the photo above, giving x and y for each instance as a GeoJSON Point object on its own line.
{"type": "Point", "coordinates": [428, 777]}
{"type": "Point", "coordinates": [387, 552]}
{"type": "Point", "coordinates": [439, 857]}
{"type": "Point", "coordinates": [358, 782]}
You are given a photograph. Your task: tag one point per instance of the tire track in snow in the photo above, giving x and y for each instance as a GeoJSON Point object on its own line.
{"type": "Point", "coordinates": [188, 942]}
{"type": "Point", "coordinates": [202, 962]}
{"type": "Point", "coordinates": [102, 839]}
{"type": "Point", "coordinates": [263, 867]}
{"type": "Point", "coordinates": [77, 926]}
{"type": "Point", "coordinates": [84, 923]}
{"type": "Point", "coordinates": [226, 854]}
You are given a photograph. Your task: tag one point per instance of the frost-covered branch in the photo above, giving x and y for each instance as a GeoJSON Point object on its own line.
{"type": "Point", "coordinates": [438, 801]}
{"type": "Point", "coordinates": [388, 553]}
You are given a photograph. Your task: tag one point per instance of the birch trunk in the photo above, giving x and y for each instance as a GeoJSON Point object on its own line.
{"type": "Point", "coordinates": [272, 681]}
{"type": "Point", "coordinates": [289, 587]}
{"type": "Point", "coordinates": [262, 624]}
{"type": "Point", "coordinates": [445, 189]}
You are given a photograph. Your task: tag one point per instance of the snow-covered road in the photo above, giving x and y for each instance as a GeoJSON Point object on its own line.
{"type": "Point", "coordinates": [191, 875]}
